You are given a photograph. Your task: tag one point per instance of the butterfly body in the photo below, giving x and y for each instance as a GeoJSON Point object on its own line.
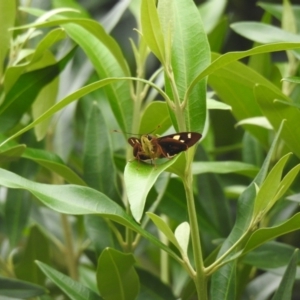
{"type": "Point", "coordinates": [151, 147]}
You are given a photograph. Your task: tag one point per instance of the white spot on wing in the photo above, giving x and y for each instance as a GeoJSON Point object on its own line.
{"type": "Point", "coordinates": [189, 135]}
{"type": "Point", "coordinates": [176, 137]}
{"type": "Point", "coordinates": [182, 141]}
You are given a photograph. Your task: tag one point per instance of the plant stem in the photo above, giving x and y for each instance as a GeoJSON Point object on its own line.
{"type": "Point", "coordinates": [200, 279]}
{"type": "Point", "coordinates": [69, 249]}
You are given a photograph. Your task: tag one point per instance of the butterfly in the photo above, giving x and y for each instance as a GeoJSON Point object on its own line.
{"type": "Point", "coordinates": [151, 147]}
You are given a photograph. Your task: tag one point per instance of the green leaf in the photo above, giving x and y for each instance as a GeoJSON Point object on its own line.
{"type": "Point", "coordinates": [268, 190]}
{"type": "Point", "coordinates": [77, 200]}
{"type": "Point", "coordinates": [13, 288]}
{"type": "Point", "coordinates": [165, 229]}
{"type": "Point", "coordinates": [182, 235]}
{"type": "Point", "coordinates": [188, 63]}
{"type": "Point", "coordinates": [244, 79]}
{"type": "Point", "coordinates": [257, 121]}
{"type": "Point", "coordinates": [213, 104]}
{"type": "Point", "coordinates": [270, 255]}
{"type": "Point", "coordinates": [151, 29]}
{"type": "Point", "coordinates": [116, 276]}
{"type": "Point", "coordinates": [224, 167]}
{"type": "Point", "coordinates": [7, 18]}
{"type": "Point", "coordinates": [139, 178]}
{"type": "Point", "coordinates": [152, 287]}
{"type": "Point", "coordinates": [292, 79]}
{"type": "Point", "coordinates": [12, 153]}
{"type": "Point", "coordinates": [41, 57]}
{"type": "Point", "coordinates": [53, 163]}
{"type": "Point", "coordinates": [264, 33]}
{"type": "Point", "coordinates": [106, 57]}
{"type": "Point", "coordinates": [221, 61]}
{"type": "Point", "coordinates": [16, 214]}
{"type": "Point", "coordinates": [223, 277]}
{"type": "Point", "coordinates": [37, 248]}
{"type": "Point", "coordinates": [286, 285]}
{"type": "Point", "coordinates": [73, 289]}
{"type": "Point", "coordinates": [96, 227]}
{"type": "Point", "coordinates": [263, 235]}
{"type": "Point", "coordinates": [64, 102]}
{"type": "Point", "coordinates": [276, 112]}
{"type": "Point", "coordinates": [98, 157]}
{"type": "Point", "coordinates": [27, 87]}
{"type": "Point", "coordinates": [162, 119]}
{"type": "Point", "coordinates": [211, 13]}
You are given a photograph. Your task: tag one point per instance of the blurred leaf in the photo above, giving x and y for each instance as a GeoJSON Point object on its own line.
{"type": "Point", "coordinates": [116, 276]}
{"type": "Point", "coordinates": [14, 288]}
{"type": "Point", "coordinates": [276, 112]}
{"type": "Point", "coordinates": [211, 13]}
{"type": "Point", "coordinates": [12, 153]}
{"type": "Point", "coordinates": [292, 79]}
{"type": "Point", "coordinates": [152, 287]}
{"type": "Point", "coordinates": [213, 104]}
{"type": "Point", "coordinates": [16, 212]}
{"type": "Point", "coordinates": [257, 121]}
{"type": "Point", "coordinates": [224, 167]}
{"type": "Point", "coordinates": [264, 33]}
{"type": "Point", "coordinates": [269, 255]}
{"type": "Point", "coordinates": [99, 233]}
{"type": "Point", "coordinates": [286, 285]}
{"type": "Point", "coordinates": [7, 19]}
{"type": "Point", "coordinates": [73, 289]}
{"type": "Point", "coordinates": [37, 248]}
{"type": "Point", "coordinates": [27, 87]}
{"type": "Point", "coordinates": [98, 156]}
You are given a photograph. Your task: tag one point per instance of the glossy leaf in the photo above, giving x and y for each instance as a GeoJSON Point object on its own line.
{"type": "Point", "coordinates": [116, 276]}
{"type": "Point", "coordinates": [77, 200]}
{"type": "Point", "coordinates": [187, 63]}
{"type": "Point", "coordinates": [139, 178]}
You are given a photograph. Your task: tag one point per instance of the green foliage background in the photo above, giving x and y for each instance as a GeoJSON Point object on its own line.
{"type": "Point", "coordinates": [80, 218]}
